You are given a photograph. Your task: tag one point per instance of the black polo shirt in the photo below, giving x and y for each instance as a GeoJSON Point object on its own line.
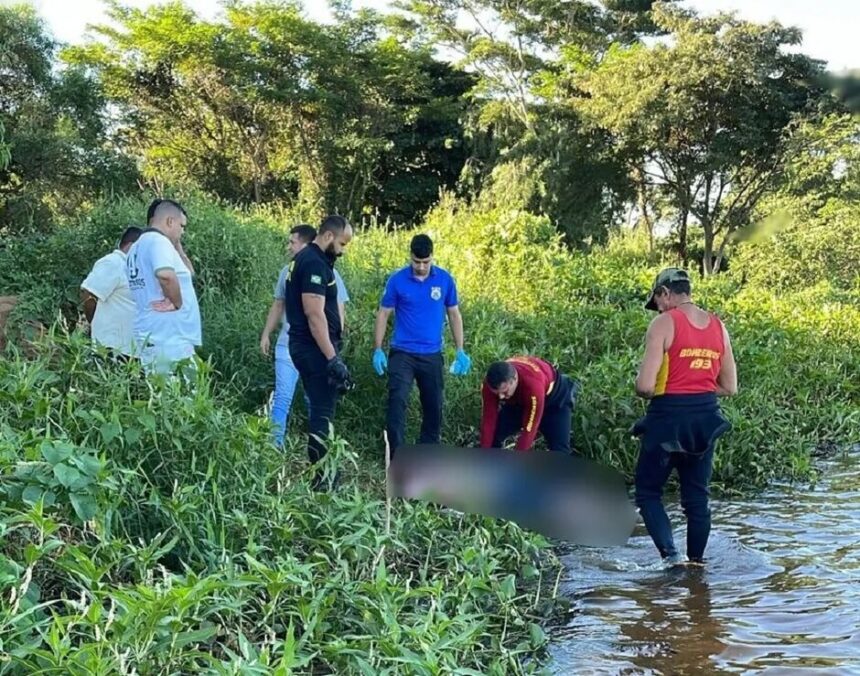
{"type": "Point", "coordinates": [311, 272]}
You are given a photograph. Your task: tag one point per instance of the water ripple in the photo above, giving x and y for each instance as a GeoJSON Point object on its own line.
{"type": "Point", "coordinates": [780, 594]}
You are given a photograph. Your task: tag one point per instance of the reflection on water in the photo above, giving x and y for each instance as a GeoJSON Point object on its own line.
{"type": "Point", "coordinates": [780, 593]}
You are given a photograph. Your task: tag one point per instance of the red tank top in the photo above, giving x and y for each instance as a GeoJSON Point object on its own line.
{"type": "Point", "coordinates": [692, 363]}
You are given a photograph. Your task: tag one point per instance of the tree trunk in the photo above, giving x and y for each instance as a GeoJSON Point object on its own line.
{"type": "Point", "coordinates": [642, 203]}
{"type": "Point", "coordinates": [718, 260]}
{"type": "Point", "coordinates": [708, 255]}
{"type": "Point", "coordinates": [682, 236]}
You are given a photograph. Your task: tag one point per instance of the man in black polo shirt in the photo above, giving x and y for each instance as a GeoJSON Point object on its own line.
{"type": "Point", "coordinates": [315, 328]}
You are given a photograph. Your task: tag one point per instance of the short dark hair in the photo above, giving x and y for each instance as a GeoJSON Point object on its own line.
{"type": "Point", "coordinates": [130, 236]}
{"type": "Point", "coordinates": [421, 246]}
{"type": "Point", "coordinates": [157, 203]}
{"type": "Point", "coordinates": [150, 210]}
{"type": "Point", "coordinates": [682, 287]}
{"type": "Point", "coordinates": [334, 224]}
{"type": "Point", "coordinates": [499, 372]}
{"type": "Point", "coordinates": [306, 232]}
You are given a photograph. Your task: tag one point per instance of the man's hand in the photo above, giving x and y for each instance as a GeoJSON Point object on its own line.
{"type": "Point", "coordinates": [338, 375]}
{"type": "Point", "coordinates": [380, 361]}
{"type": "Point", "coordinates": [163, 305]}
{"type": "Point", "coordinates": [265, 344]}
{"type": "Point", "coordinates": [462, 364]}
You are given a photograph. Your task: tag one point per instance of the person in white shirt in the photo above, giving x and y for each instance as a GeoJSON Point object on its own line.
{"type": "Point", "coordinates": [167, 321]}
{"type": "Point", "coordinates": [106, 299]}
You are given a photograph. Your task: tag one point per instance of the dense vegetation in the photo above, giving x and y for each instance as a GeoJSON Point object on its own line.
{"type": "Point", "coordinates": [152, 527]}
{"type": "Point", "coordinates": [155, 527]}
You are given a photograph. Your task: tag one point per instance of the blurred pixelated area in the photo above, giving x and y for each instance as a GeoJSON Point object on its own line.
{"type": "Point", "coordinates": [561, 496]}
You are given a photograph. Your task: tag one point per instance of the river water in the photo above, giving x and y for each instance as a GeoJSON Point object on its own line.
{"type": "Point", "coordinates": [780, 594]}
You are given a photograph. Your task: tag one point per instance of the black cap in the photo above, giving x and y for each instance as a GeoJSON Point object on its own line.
{"type": "Point", "coordinates": [664, 278]}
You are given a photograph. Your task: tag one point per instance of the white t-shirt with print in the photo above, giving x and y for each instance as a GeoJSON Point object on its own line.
{"type": "Point", "coordinates": [173, 332]}
{"type": "Point", "coordinates": [113, 322]}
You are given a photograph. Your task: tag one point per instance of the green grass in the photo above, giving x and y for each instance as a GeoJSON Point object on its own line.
{"type": "Point", "coordinates": [153, 527]}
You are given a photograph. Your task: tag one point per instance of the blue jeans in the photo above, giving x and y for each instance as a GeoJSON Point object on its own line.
{"type": "Point", "coordinates": [286, 379]}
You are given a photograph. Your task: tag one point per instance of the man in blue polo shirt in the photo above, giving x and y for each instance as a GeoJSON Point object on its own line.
{"type": "Point", "coordinates": [420, 295]}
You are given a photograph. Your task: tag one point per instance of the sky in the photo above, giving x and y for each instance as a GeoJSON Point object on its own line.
{"type": "Point", "coordinates": [829, 26]}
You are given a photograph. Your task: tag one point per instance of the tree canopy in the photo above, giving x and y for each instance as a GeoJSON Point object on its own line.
{"type": "Point", "coordinates": [266, 104]}
{"type": "Point", "coordinates": [706, 118]}
{"type": "Point", "coordinates": [57, 151]}
{"type": "Point", "coordinates": [593, 114]}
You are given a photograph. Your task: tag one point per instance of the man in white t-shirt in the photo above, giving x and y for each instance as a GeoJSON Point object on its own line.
{"type": "Point", "coordinates": [106, 300]}
{"type": "Point", "coordinates": [167, 322]}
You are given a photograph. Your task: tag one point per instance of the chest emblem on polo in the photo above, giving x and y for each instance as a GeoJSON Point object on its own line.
{"type": "Point", "coordinates": [436, 292]}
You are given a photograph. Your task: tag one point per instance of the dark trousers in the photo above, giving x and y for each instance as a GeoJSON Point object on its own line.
{"type": "Point", "coordinates": [322, 397]}
{"type": "Point", "coordinates": [115, 357]}
{"type": "Point", "coordinates": [119, 357]}
{"type": "Point", "coordinates": [555, 425]}
{"type": "Point", "coordinates": [679, 432]}
{"type": "Point", "coordinates": [694, 474]}
{"type": "Point", "coordinates": [427, 371]}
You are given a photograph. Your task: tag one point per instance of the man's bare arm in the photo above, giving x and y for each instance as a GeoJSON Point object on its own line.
{"type": "Point", "coordinates": [455, 319]}
{"type": "Point", "coordinates": [272, 319]}
{"type": "Point", "coordinates": [185, 259]}
{"type": "Point", "coordinates": [88, 303]}
{"type": "Point", "coordinates": [657, 339]}
{"type": "Point", "coordinates": [727, 379]}
{"type": "Point", "coordinates": [381, 325]}
{"type": "Point", "coordinates": [314, 307]}
{"type": "Point", "coordinates": [170, 286]}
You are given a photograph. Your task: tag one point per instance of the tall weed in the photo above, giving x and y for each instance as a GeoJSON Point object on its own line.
{"type": "Point", "coordinates": [206, 550]}
{"type": "Point", "coordinates": [152, 527]}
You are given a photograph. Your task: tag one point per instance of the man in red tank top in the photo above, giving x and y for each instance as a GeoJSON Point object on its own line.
{"type": "Point", "coordinates": [688, 363]}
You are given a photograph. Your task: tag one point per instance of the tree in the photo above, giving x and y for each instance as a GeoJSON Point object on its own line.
{"type": "Point", "coordinates": [521, 52]}
{"type": "Point", "coordinates": [807, 231]}
{"type": "Point", "coordinates": [5, 155]}
{"type": "Point", "coordinates": [266, 104]}
{"type": "Point", "coordinates": [428, 151]}
{"type": "Point", "coordinates": [845, 87]}
{"type": "Point", "coordinates": [57, 156]}
{"type": "Point", "coordinates": [707, 117]}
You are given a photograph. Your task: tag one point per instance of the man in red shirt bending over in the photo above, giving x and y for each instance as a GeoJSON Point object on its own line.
{"type": "Point", "coordinates": [527, 395]}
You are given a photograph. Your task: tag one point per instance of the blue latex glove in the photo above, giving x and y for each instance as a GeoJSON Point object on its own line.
{"type": "Point", "coordinates": [462, 364]}
{"type": "Point", "coordinates": [380, 361]}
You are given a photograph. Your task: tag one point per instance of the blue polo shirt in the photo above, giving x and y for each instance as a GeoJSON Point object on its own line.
{"type": "Point", "coordinates": [419, 308]}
